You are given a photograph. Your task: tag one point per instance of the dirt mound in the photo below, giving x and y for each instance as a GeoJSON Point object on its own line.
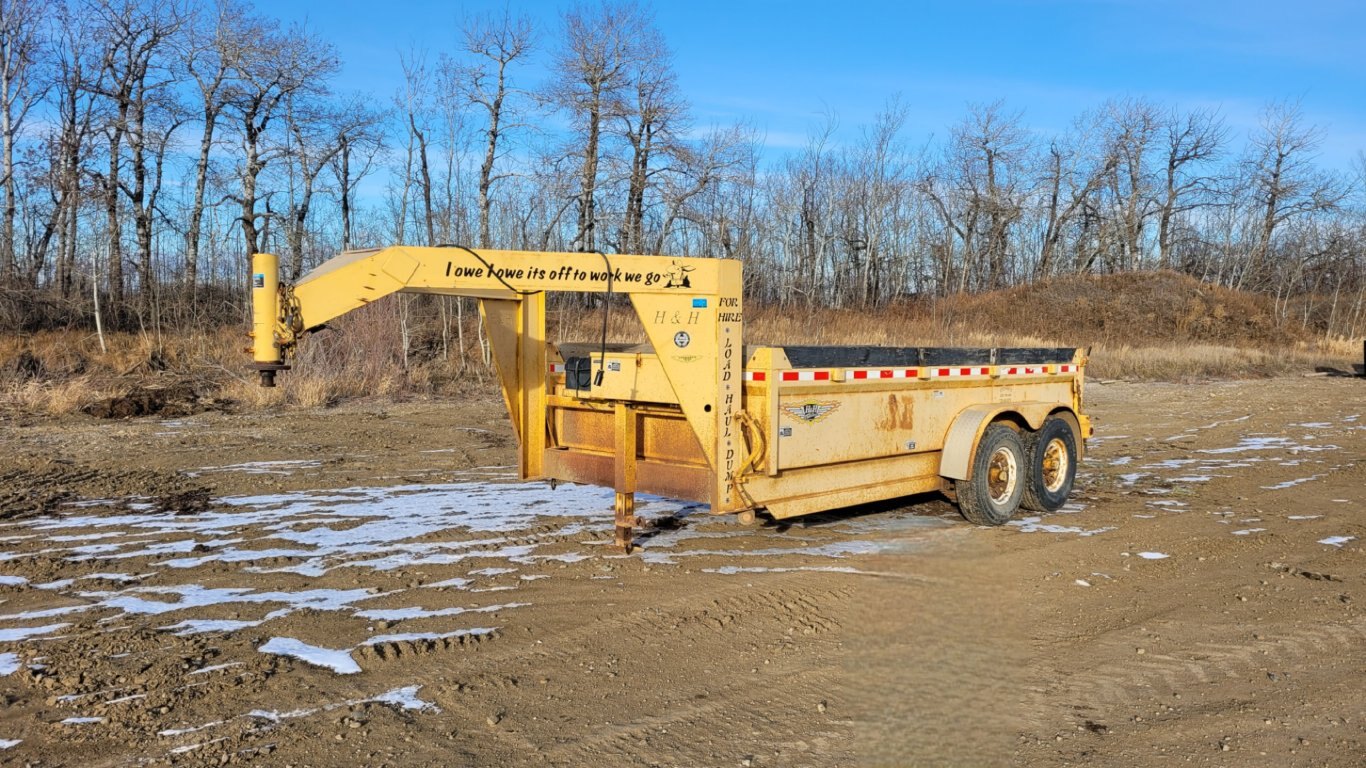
{"type": "Point", "coordinates": [1134, 309]}
{"type": "Point", "coordinates": [176, 399]}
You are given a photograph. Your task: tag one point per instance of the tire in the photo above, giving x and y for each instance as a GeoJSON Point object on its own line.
{"type": "Point", "coordinates": [993, 491]}
{"type": "Point", "coordinates": [1052, 466]}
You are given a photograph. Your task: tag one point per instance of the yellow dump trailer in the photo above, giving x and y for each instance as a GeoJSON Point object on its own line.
{"type": "Point", "coordinates": [696, 414]}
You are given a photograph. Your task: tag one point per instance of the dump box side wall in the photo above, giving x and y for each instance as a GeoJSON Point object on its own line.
{"type": "Point", "coordinates": [835, 423]}
{"type": "Point", "coordinates": [819, 438]}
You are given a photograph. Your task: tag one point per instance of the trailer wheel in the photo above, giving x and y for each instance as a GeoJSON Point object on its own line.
{"type": "Point", "coordinates": [1052, 466]}
{"type": "Point", "coordinates": [992, 493]}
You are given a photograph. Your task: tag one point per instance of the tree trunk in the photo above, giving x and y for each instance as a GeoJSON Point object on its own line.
{"type": "Point", "coordinates": [345, 173]}
{"type": "Point", "coordinates": [490, 153]}
{"type": "Point", "coordinates": [8, 262]}
{"type": "Point", "coordinates": [589, 179]}
{"type": "Point", "coordinates": [201, 180]}
{"type": "Point", "coordinates": [425, 169]}
{"type": "Point", "coordinates": [115, 232]}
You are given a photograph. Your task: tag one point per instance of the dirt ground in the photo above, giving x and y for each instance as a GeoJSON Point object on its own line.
{"type": "Point", "coordinates": [362, 586]}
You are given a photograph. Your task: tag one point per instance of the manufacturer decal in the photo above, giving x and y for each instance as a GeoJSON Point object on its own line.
{"type": "Point", "coordinates": [614, 366]}
{"type": "Point", "coordinates": [682, 339]}
{"type": "Point", "coordinates": [258, 280]}
{"type": "Point", "coordinates": [784, 431]}
{"type": "Point", "coordinates": [812, 411]}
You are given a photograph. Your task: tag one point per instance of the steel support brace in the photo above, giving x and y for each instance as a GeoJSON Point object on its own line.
{"type": "Point", "coordinates": [624, 479]}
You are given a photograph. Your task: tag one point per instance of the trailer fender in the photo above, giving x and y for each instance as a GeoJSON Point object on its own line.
{"type": "Point", "coordinates": [961, 441]}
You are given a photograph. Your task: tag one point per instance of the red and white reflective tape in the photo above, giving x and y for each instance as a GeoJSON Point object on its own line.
{"type": "Point", "coordinates": [885, 373]}
{"type": "Point", "coordinates": [806, 375]}
{"type": "Point", "coordinates": [1038, 370]}
{"type": "Point", "coordinates": [557, 367]}
{"type": "Point", "coordinates": [875, 374]}
{"type": "Point", "coordinates": [953, 373]}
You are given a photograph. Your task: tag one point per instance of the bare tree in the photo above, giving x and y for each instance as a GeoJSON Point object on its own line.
{"type": "Point", "coordinates": [216, 37]}
{"type": "Point", "coordinates": [723, 155]}
{"type": "Point", "coordinates": [74, 68]}
{"type": "Point", "coordinates": [1132, 125]}
{"type": "Point", "coordinates": [1286, 183]}
{"type": "Point", "coordinates": [414, 103]}
{"type": "Point", "coordinates": [978, 191]}
{"type": "Point", "coordinates": [277, 65]}
{"type": "Point", "coordinates": [496, 43]}
{"type": "Point", "coordinates": [316, 133]}
{"type": "Point", "coordinates": [650, 121]}
{"type": "Point", "coordinates": [879, 182]}
{"type": "Point", "coordinates": [600, 47]}
{"type": "Point", "coordinates": [1192, 141]}
{"type": "Point", "coordinates": [358, 145]}
{"type": "Point", "coordinates": [19, 91]}
{"type": "Point", "coordinates": [1071, 175]}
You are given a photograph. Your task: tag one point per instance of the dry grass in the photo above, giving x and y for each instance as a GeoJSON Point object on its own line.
{"type": "Point", "coordinates": [1166, 327]}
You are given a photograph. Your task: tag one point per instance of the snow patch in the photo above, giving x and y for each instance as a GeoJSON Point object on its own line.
{"type": "Point", "coordinates": [1290, 483]}
{"type": "Point", "coordinates": [1035, 524]}
{"type": "Point", "coordinates": [730, 570]}
{"type": "Point", "coordinates": [415, 612]}
{"type": "Point", "coordinates": [402, 637]}
{"type": "Point", "coordinates": [338, 661]}
{"type": "Point", "coordinates": [406, 698]}
{"type": "Point", "coordinates": [23, 633]}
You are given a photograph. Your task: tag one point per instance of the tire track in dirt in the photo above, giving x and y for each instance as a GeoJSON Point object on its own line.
{"type": "Point", "coordinates": [1156, 675]}
{"type": "Point", "coordinates": [730, 640]}
{"type": "Point", "coordinates": [744, 714]}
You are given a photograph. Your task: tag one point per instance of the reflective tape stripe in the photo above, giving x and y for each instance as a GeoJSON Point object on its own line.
{"type": "Point", "coordinates": [886, 373]}
{"type": "Point", "coordinates": [806, 375]}
{"type": "Point", "coordinates": [952, 373]}
{"type": "Point", "coordinates": [873, 374]}
{"type": "Point", "coordinates": [557, 367]}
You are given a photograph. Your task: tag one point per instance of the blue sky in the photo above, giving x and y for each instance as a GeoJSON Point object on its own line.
{"type": "Point", "coordinates": [783, 65]}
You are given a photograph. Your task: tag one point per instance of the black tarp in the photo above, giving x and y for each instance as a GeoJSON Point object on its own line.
{"type": "Point", "coordinates": [887, 357]}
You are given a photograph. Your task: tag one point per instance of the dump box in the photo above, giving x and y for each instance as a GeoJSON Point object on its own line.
{"type": "Point", "coordinates": [696, 414]}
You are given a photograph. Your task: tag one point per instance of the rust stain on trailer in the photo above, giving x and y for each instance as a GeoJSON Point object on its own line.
{"type": "Point", "coordinates": [900, 412]}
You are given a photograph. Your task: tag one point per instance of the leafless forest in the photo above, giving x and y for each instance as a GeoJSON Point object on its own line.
{"type": "Point", "coordinates": [149, 146]}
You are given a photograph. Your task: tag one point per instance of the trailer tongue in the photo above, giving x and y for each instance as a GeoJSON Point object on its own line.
{"type": "Point", "coordinates": [694, 414]}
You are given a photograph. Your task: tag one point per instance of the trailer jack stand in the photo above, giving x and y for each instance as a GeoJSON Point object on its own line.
{"type": "Point", "coordinates": [626, 520]}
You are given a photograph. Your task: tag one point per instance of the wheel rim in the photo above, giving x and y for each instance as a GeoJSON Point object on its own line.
{"type": "Point", "coordinates": [1002, 475]}
{"type": "Point", "coordinates": [1055, 465]}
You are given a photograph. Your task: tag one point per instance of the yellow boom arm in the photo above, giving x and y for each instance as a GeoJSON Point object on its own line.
{"type": "Point", "coordinates": [690, 308]}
